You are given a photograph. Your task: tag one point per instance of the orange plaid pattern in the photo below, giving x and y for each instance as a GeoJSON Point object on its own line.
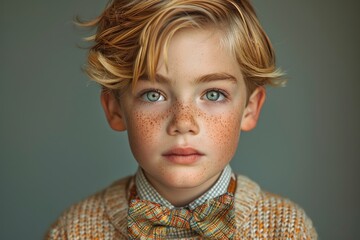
{"type": "Point", "coordinates": [215, 219]}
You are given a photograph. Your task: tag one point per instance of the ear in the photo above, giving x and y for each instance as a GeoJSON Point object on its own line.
{"type": "Point", "coordinates": [252, 110]}
{"type": "Point", "coordinates": [112, 111]}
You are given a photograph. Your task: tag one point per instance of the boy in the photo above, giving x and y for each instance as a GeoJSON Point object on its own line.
{"type": "Point", "coordinates": [183, 78]}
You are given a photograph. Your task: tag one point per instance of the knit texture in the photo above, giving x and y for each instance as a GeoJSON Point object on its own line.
{"type": "Point", "coordinates": [258, 215]}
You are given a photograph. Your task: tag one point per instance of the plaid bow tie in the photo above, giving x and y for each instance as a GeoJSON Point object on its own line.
{"type": "Point", "coordinates": [215, 219]}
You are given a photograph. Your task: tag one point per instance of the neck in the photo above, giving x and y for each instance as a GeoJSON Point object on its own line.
{"type": "Point", "coordinates": [180, 197]}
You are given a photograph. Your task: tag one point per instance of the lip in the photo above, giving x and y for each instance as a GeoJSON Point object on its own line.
{"type": "Point", "coordinates": [186, 155]}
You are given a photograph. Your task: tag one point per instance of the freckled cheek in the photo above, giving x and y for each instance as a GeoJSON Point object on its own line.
{"type": "Point", "coordinates": [143, 129]}
{"type": "Point", "coordinates": [225, 134]}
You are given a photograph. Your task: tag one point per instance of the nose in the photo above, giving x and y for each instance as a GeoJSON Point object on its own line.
{"type": "Point", "coordinates": [183, 120]}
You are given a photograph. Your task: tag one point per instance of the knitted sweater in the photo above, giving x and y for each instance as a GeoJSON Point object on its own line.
{"type": "Point", "coordinates": [259, 215]}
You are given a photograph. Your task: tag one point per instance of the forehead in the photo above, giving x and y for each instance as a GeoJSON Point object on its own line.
{"type": "Point", "coordinates": [193, 52]}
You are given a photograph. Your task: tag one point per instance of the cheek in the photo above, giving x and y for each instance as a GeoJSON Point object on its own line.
{"type": "Point", "coordinates": [143, 128]}
{"type": "Point", "coordinates": [224, 131]}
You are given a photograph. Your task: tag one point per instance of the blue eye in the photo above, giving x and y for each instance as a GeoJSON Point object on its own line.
{"type": "Point", "coordinates": [214, 95]}
{"type": "Point", "coordinates": [153, 96]}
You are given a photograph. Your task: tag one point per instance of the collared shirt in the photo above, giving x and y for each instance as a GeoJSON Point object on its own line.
{"type": "Point", "coordinates": [147, 192]}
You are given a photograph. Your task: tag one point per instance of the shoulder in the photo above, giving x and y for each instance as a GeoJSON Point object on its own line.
{"type": "Point", "coordinates": [266, 215]}
{"type": "Point", "coordinates": [94, 217]}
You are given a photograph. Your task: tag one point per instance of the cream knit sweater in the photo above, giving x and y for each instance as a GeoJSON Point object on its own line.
{"type": "Point", "coordinates": [259, 215]}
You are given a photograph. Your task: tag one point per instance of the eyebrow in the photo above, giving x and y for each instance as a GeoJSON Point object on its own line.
{"type": "Point", "coordinates": [215, 77]}
{"type": "Point", "coordinates": [202, 79]}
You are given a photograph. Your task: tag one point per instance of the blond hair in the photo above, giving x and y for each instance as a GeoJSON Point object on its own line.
{"type": "Point", "coordinates": [131, 34]}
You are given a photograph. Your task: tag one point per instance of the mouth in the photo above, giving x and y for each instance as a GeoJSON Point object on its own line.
{"type": "Point", "coordinates": [183, 156]}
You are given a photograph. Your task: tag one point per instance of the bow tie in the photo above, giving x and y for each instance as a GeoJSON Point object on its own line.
{"type": "Point", "coordinates": [214, 219]}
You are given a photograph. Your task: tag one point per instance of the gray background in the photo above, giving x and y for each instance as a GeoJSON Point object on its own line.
{"type": "Point", "coordinates": [56, 147]}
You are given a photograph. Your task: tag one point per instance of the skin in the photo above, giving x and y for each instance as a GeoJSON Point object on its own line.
{"type": "Point", "coordinates": [198, 101]}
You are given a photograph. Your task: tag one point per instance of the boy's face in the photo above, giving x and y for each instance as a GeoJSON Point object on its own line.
{"type": "Point", "coordinates": [184, 128]}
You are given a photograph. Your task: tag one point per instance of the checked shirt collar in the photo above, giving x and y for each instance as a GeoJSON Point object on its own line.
{"type": "Point", "coordinates": [147, 192]}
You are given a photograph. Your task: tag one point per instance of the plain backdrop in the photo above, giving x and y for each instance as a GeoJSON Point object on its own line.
{"type": "Point", "coordinates": [56, 147]}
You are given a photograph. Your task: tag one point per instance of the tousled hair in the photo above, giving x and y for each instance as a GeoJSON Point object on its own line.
{"type": "Point", "coordinates": [131, 34]}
